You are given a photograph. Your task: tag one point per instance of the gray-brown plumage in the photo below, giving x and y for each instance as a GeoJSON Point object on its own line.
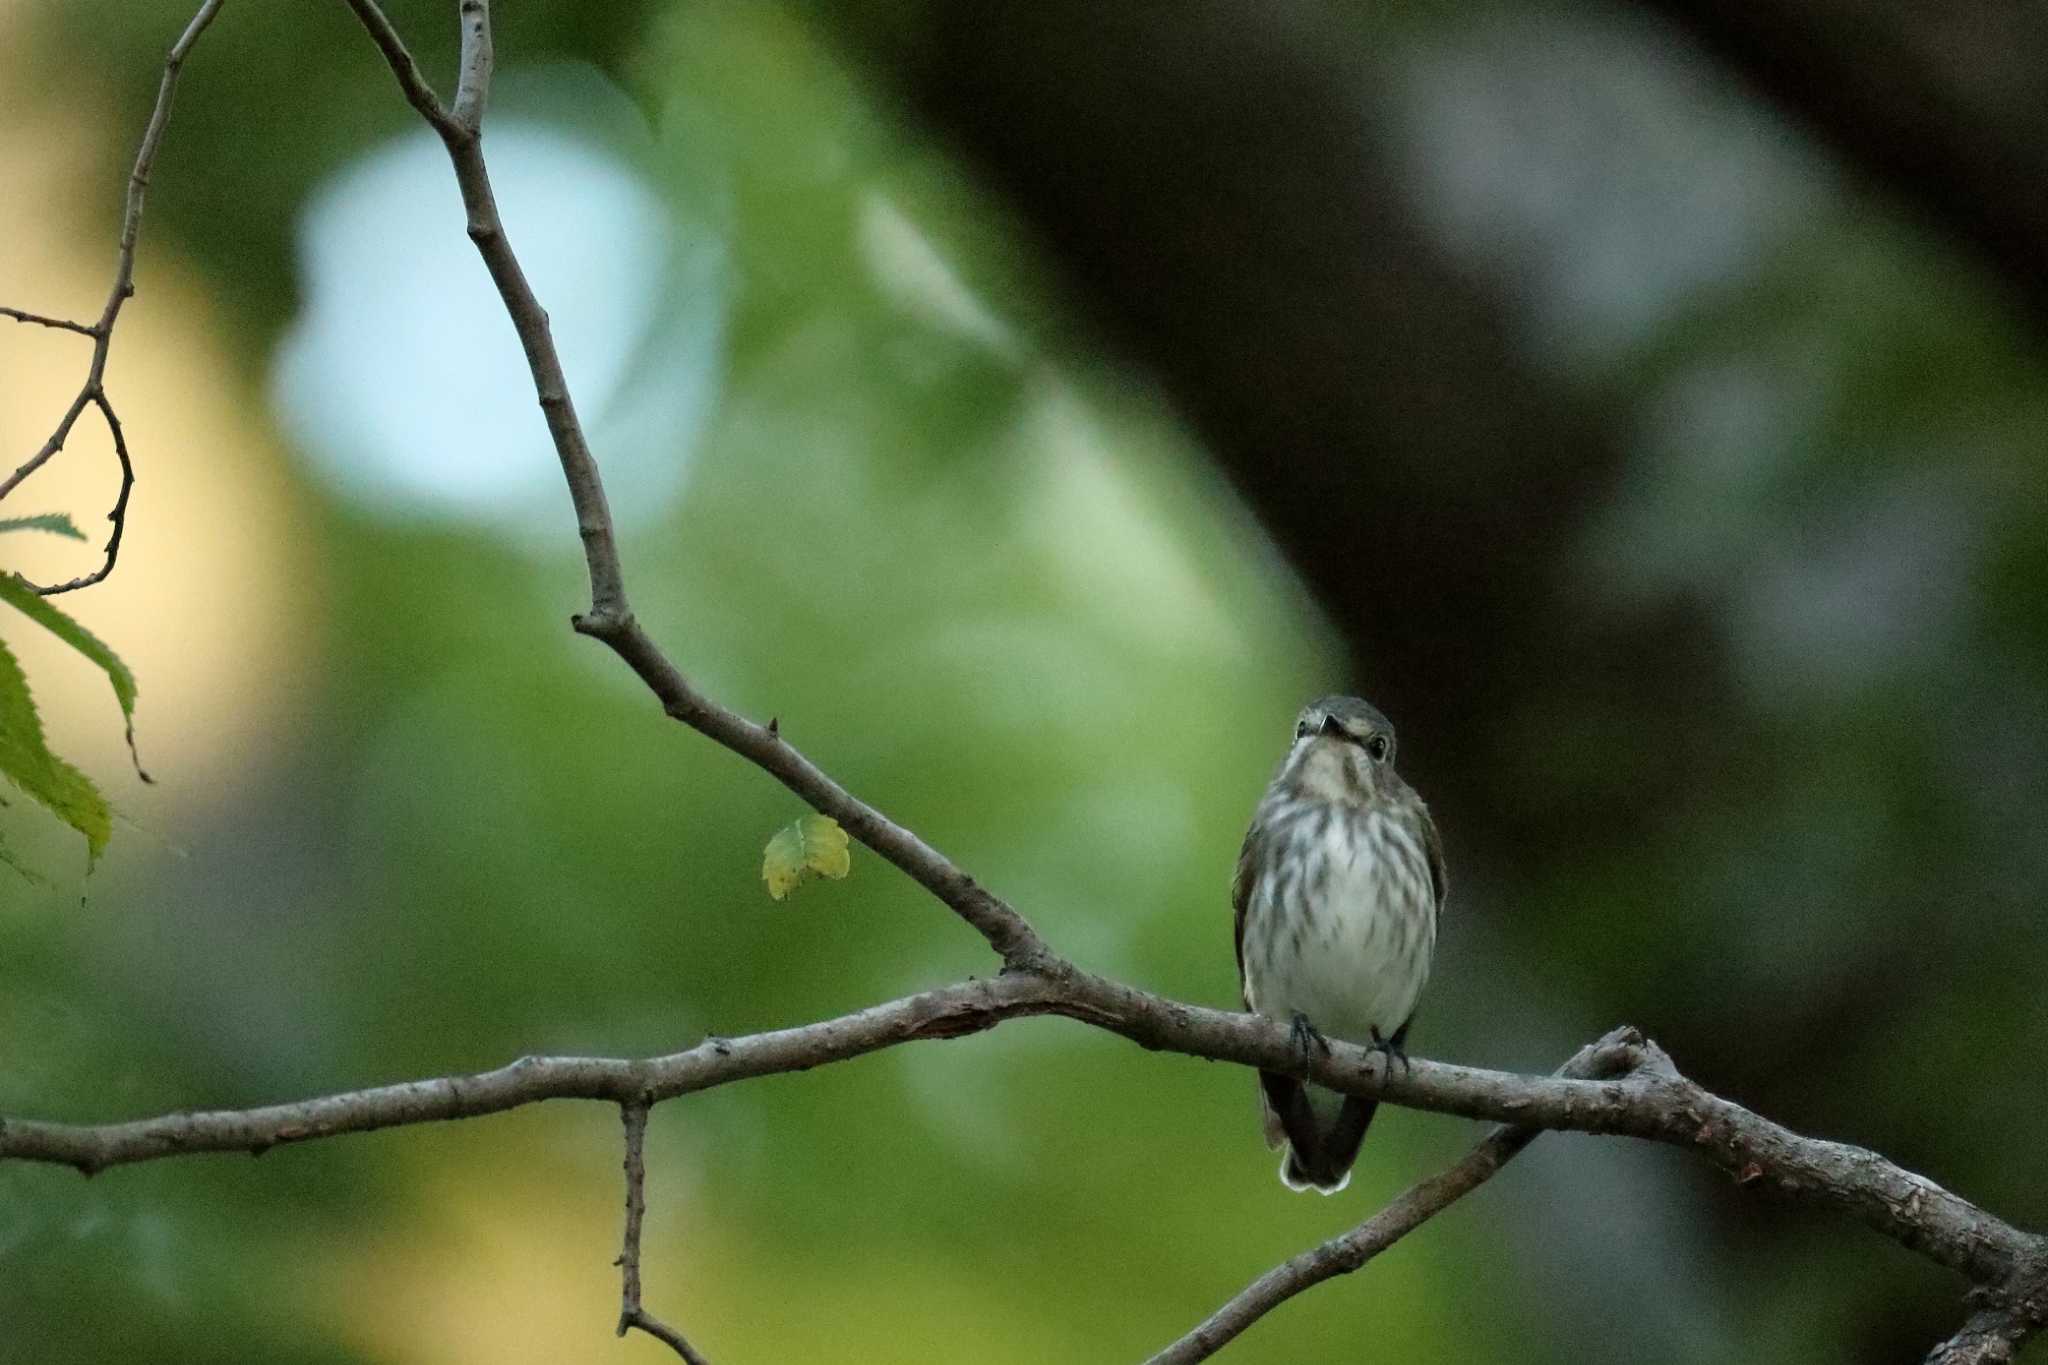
{"type": "Point", "coordinates": [1338, 890]}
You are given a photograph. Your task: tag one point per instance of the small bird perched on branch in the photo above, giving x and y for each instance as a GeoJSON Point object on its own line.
{"type": "Point", "coordinates": [1337, 894]}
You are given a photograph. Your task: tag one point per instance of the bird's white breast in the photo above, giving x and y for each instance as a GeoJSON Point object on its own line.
{"type": "Point", "coordinates": [1340, 924]}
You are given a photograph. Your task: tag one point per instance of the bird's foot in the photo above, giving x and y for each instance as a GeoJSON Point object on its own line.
{"type": "Point", "coordinates": [1393, 1050]}
{"type": "Point", "coordinates": [1308, 1039]}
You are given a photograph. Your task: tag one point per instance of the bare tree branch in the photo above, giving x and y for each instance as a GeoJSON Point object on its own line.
{"type": "Point", "coordinates": [1652, 1101]}
{"type": "Point", "coordinates": [947, 1012]}
{"type": "Point", "coordinates": [93, 391]}
{"type": "Point", "coordinates": [1614, 1054]}
{"type": "Point", "coordinates": [609, 618]}
{"type": "Point", "coordinates": [60, 324]}
{"type": "Point", "coordinates": [631, 1314]}
{"type": "Point", "coordinates": [1622, 1085]}
{"type": "Point", "coordinates": [478, 62]}
{"type": "Point", "coordinates": [1993, 1335]}
{"type": "Point", "coordinates": [418, 93]}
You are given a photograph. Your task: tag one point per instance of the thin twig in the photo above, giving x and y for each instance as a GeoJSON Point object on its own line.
{"type": "Point", "coordinates": [478, 62]}
{"type": "Point", "coordinates": [418, 93]}
{"type": "Point", "coordinates": [1612, 1055]}
{"type": "Point", "coordinates": [93, 391]}
{"type": "Point", "coordinates": [634, 1116]}
{"type": "Point", "coordinates": [119, 516]}
{"type": "Point", "coordinates": [667, 1335]}
{"type": "Point", "coordinates": [60, 324]}
{"type": "Point", "coordinates": [610, 618]}
{"type": "Point", "coordinates": [631, 1314]}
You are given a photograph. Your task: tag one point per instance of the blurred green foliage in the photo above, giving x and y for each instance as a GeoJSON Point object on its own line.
{"type": "Point", "coordinates": [978, 570]}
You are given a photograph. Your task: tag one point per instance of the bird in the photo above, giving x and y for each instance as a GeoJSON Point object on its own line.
{"type": "Point", "coordinates": [1338, 891]}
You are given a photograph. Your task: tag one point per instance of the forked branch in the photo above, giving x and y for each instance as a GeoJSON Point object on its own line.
{"type": "Point", "coordinates": [1621, 1085]}
{"type": "Point", "coordinates": [93, 391]}
{"type": "Point", "coordinates": [1654, 1102]}
{"type": "Point", "coordinates": [1638, 1093]}
{"type": "Point", "coordinates": [1613, 1055]}
{"type": "Point", "coordinates": [631, 1314]}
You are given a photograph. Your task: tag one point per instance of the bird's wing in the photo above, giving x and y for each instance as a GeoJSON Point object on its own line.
{"type": "Point", "coordinates": [1248, 859]}
{"type": "Point", "coordinates": [1433, 850]}
{"type": "Point", "coordinates": [1241, 897]}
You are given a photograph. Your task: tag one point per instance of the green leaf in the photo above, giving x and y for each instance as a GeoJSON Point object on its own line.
{"type": "Point", "coordinates": [813, 846]}
{"type": "Point", "coordinates": [16, 590]}
{"type": "Point", "coordinates": [28, 763]}
{"type": "Point", "coordinates": [56, 523]}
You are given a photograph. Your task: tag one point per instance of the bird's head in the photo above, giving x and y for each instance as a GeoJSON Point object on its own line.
{"type": "Point", "coordinates": [1343, 751]}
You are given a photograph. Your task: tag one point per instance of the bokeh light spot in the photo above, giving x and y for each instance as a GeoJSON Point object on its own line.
{"type": "Point", "coordinates": [402, 380]}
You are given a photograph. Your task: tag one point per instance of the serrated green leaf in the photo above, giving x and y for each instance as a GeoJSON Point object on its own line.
{"type": "Point", "coordinates": [28, 763]}
{"type": "Point", "coordinates": [15, 589]}
{"type": "Point", "coordinates": [56, 523]}
{"type": "Point", "coordinates": [813, 846]}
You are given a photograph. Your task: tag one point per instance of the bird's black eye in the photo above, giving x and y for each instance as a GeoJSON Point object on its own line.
{"type": "Point", "coordinates": [1301, 730]}
{"type": "Point", "coordinates": [1377, 747]}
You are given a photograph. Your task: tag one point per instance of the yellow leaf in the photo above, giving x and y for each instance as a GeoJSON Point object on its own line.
{"type": "Point", "coordinates": [813, 846]}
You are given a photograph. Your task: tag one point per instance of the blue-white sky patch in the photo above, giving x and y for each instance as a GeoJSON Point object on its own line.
{"type": "Point", "coordinates": [402, 381]}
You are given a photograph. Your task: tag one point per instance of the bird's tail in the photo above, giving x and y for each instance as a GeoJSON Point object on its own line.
{"type": "Point", "coordinates": [1320, 1147]}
